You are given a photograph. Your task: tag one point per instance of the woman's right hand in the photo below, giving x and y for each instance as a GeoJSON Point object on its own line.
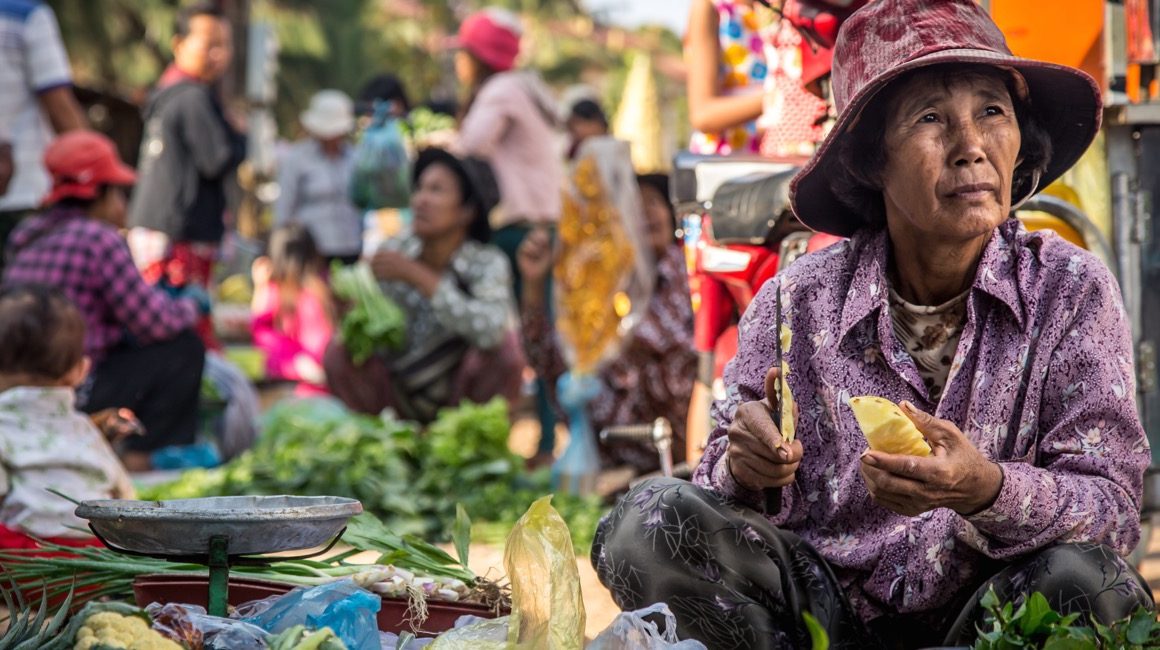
{"type": "Point", "coordinates": [757, 456]}
{"type": "Point", "coordinates": [534, 257]}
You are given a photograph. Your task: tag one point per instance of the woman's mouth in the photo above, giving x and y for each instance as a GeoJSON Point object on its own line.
{"type": "Point", "coordinates": [972, 192]}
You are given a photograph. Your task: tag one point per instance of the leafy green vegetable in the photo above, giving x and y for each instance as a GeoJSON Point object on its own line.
{"type": "Point", "coordinates": [367, 533]}
{"type": "Point", "coordinates": [819, 640]}
{"type": "Point", "coordinates": [373, 322]}
{"type": "Point", "coordinates": [422, 122]}
{"type": "Point", "coordinates": [411, 481]}
{"type": "Point", "coordinates": [1034, 624]}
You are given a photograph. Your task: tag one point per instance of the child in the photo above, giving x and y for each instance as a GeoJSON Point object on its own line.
{"type": "Point", "coordinates": [293, 309]}
{"type": "Point", "coordinates": [44, 441]}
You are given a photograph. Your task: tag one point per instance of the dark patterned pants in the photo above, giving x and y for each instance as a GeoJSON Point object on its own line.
{"type": "Point", "coordinates": [734, 580]}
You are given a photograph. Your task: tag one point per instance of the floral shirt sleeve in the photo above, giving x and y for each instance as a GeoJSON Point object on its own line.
{"type": "Point", "coordinates": [1082, 480]}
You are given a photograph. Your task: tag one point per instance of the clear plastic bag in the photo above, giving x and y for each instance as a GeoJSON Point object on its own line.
{"type": "Point", "coordinates": [342, 606]}
{"type": "Point", "coordinates": [547, 607]}
{"type": "Point", "coordinates": [191, 626]}
{"type": "Point", "coordinates": [631, 631]}
{"type": "Point", "coordinates": [604, 271]}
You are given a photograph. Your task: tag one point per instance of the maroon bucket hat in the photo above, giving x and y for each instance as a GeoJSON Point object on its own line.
{"type": "Point", "coordinates": [889, 38]}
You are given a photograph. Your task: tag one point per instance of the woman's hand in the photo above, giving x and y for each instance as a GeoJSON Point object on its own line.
{"type": "Point", "coordinates": [393, 266]}
{"type": "Point", "coordinates": [954, 476]}
{"type": "Point", "coordinates": [534, 256]}
{"type": "Point", "coordinates": [757, 456]}
{"type": "Point", "coordinates": [534, 260]}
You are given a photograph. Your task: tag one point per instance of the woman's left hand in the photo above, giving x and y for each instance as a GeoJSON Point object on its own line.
{"type": "Point", "coordinates": [391, 266]}
{"type": "Point", "coordinates": [954, 476]}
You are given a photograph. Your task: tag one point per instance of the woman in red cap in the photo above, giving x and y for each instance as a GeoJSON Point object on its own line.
{"type": "Point", "coordinates": [510, 122]}
{"type": "Point", "coordinates": [145, 355]}
{"type": "Point", "coordinates": [1009, 351]}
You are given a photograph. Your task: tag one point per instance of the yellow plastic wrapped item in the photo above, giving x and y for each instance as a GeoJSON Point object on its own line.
{"type": "Point", "coordinates": [547, 607]}
{"type": "Point", "coordinates": [603, 276]}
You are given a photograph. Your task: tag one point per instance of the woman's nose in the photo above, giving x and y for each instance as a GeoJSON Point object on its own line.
{"type": "Point", "coordinates": [967, 144]}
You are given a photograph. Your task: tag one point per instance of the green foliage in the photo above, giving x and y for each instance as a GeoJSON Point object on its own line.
{"type": "Point", "coordinates": [412, 481]}
{"type": "Point", "coordinates": [819, 640]}
{"type": "Point", "coordinates": [1034, 624]}
{"type": "Point", "coordinates": [373, 321]}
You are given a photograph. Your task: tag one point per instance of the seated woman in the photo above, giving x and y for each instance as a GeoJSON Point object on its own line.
{"type": "Point", "coordinates": [293, 309]}
{"type": "Point", "coordinates": [455, 291]}
{"type": "Point", "coordinates": [1009, 351]}
{"type": "Point", "coordinates": [653, 376]}
{"type": "Point", "coordinates": [146, 357]}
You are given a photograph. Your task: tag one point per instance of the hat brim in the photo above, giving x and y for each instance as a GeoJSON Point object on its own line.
{"type": "Point", "coordinates": [325, 128]}
{"type": "Point", "coordinates": [1066, 100]}
{"type": "Point", "coordinates": [122, 175]}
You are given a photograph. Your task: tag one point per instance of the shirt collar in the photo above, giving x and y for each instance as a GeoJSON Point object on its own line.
{"type": "Point", "coordinates": [869, 288]}
{"type": "Point", "coordinates": [40, 399]}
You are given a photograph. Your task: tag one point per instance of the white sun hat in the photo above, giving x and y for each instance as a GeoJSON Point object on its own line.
{"type": "Point", "coordinates": [330, 115]}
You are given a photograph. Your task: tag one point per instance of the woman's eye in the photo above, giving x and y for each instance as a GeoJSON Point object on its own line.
{"type": "Point", "coordinates": [995, 109]}
{"type": "Point", "coordinates": [929, 118]}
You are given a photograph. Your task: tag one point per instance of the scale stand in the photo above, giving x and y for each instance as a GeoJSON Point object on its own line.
{"type": "Point", "coordinates": [218, 560]}
{"type": "Point", "coordinates": [220, 532]}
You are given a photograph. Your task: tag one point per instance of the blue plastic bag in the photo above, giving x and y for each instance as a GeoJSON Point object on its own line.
{"type": "Point", "coordinates": [343, 606]}
{"type": "Point", "coordinates": [382, 165]}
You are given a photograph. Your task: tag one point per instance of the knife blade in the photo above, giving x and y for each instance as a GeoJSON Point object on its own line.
{"type": "Point", "coordinates": [773, 495]}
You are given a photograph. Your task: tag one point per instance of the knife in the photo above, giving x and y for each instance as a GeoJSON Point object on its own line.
{"type": "Point", "coordinates": [773, 495]}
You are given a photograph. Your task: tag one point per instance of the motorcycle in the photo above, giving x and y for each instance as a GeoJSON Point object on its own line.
{"type": "Point", "coordinates": [738, 232]}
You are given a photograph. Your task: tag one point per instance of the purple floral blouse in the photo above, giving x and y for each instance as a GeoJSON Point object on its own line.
{"type": "Point", "coordinates": [1042, 382]}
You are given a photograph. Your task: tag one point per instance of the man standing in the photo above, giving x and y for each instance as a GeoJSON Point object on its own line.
{"type": "Point", "coordinates": [36, 98]}
{"type": "Point", "coordinates": [187, 155]}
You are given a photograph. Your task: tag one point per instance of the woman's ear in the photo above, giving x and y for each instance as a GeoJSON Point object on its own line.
{"type": "Point", "coordinates": [76, 376]}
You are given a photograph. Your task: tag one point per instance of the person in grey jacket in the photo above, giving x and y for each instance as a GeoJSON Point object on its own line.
{"type": "Point", "coordinates": [188, 152]}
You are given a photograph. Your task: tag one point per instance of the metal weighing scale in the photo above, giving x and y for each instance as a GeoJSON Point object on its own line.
{"type": "Point", "coordinates": [220, 532]}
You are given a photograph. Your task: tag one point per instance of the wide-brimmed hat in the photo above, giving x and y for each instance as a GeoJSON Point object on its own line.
{"type": "Point", "coordinates": [889, 38]}
{"type": "Point", "coordinates": [492, 36]}
{"type": "Point", "coordinates": [81, 162]}
{"type": "Point", "coordinates": [330, 114]}
{"type": "Point", "coordinates": [481, 187]}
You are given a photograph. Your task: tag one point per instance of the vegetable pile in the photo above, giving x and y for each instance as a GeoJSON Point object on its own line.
{"type": "Point", "coordinates": [373, 321]}
{"type": "Point", "coordinates": [412, 481]}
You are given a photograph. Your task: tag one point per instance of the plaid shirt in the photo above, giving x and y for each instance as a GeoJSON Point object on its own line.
{"type": "Point", "coordinates": [89, 261]}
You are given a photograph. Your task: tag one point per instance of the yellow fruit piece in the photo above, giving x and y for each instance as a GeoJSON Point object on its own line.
{"type": "Point", "coordinates": [887, 428]}
{"type": "Point", "coordinates": [788, 425]}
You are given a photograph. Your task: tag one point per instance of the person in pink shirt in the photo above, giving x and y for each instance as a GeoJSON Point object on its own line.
{"type": "Point", "coordinates": [293, 309]}
{"type": "Point", "coordinates": [509, 121]}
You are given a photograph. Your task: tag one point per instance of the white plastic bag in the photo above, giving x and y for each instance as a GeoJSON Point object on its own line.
{"type": "Point", "coordinates": [630, 631]}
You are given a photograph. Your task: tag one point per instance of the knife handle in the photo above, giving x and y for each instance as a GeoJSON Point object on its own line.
{"type": "Point", "coordinates": [772, 500]}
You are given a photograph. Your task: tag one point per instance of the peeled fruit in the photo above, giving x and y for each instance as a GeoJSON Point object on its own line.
{"type": "Point", "coordinates": [886, 427]}
{"type": "Point", "coordinates": [788, 425]}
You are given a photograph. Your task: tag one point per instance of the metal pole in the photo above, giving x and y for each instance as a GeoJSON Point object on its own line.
{"type": "Point", "coordinates": [219, 575]}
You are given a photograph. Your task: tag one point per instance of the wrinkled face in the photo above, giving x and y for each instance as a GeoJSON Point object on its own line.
{"type": "Point", "coordinates": [952, 146]}
{"type": "Point", "coordinates": [437, 204]}
{"type": "Point", "coordinates": [658, 219]}
{"type": "Point", "coordinates": [207, 50]}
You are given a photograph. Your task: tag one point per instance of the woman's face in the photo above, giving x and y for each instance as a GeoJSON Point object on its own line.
{"type": "Point", "coordinates": [111, 207]}
{"type": "Point", "coordinates": [437, 204]}
{"type": "Point", "coordinates": [464, 68]}
{"type": "Point", "coordinates": [952, 146]}
{"type": "Point", "coordinates": [658, 219]}
{"type": "Point", "coordinates": [580, 129]}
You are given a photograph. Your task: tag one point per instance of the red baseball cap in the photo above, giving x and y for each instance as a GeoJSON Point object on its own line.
{"type": "Point", "coordinates": [80, 163]}
{"type": "Point", "coordinates": [493, 36]}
